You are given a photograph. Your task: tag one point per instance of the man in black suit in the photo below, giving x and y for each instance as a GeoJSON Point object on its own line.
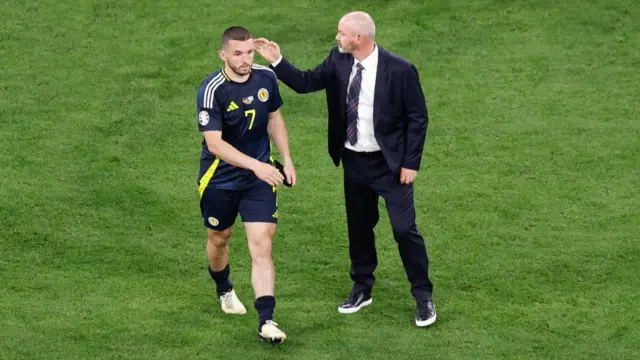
{"type": "Point", "coordinates": [377, 127]}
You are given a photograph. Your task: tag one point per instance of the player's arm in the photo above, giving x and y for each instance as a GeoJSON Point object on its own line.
{"type": "Point", "coordinates": [278, 132]}
{"type": "Point", "coordinates": [235, 157]}
{"type": "Point", "coordinates": [227, 152]}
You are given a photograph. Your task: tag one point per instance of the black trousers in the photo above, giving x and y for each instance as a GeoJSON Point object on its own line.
{"type": "Point", "coordinates": [366, 178]}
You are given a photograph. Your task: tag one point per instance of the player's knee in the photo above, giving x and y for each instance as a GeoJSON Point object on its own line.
{"type": "Point", "coordinates": [270, 232]}
{"type": "Point", "coordinates": [262, 232]}
{"type": "Point", "coordinates": [260, 243]}
{"type": "Point", "coordinates": [261, 253]}
{"type": "Point", "coordinates": [219, 238]}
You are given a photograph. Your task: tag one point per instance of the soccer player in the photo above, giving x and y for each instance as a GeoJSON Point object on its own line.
{"type": "Point", "coordinates": [238, 113]}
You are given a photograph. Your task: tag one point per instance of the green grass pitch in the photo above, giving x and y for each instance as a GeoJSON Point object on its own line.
{"type": "Point", "coordinates": [528, 198]}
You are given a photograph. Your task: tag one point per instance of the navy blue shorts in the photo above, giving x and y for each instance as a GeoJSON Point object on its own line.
{"type": "Point", "coordinates": [220, 207]}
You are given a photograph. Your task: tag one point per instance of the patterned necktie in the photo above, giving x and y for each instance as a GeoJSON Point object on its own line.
{"type": "Point", "coordinates": [352, 106]}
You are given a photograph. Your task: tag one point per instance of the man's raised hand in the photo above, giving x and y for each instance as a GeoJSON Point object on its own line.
{"type": "Point", "coordinates": [269, 50]}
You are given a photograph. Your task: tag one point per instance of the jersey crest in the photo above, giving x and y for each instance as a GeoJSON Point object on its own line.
{"type": "Point", "coordinates": [263, 95]}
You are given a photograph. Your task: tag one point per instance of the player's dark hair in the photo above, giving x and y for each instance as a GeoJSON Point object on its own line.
{"type": "Point", "coordinates": [237, 33]}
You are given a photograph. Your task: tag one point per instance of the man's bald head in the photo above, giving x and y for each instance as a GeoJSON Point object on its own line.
{"type": "Point", "coordinates": [360, 23]}
{"type": "Point", "coordinates": [356, 33]}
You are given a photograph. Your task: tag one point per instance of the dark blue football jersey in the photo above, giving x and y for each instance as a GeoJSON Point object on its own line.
{"type": "Point", "coordinates": [241, 112]}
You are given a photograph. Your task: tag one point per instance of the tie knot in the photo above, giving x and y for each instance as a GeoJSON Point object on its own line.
{"type": "Point", "coordinates": [359, 66]}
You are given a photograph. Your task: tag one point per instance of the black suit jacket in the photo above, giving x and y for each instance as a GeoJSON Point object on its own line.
{"type": "Point", "coordinates": [400, 112]}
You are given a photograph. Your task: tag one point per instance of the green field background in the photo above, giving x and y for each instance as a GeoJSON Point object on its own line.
{"type": "Point", "coordinates": [528, 196]}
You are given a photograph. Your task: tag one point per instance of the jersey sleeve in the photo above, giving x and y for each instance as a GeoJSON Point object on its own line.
{"type": "Point", "coordinates": [275, 101]}
{"type": "Point", "coordinates": [209, 112]}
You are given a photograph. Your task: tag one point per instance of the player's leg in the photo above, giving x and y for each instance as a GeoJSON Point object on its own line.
{"type": "Point", "coordinates": [259, 237]}
{"type": "Point", "coordinates": [218, 255]}
{"type": "Point", "coordinates": [258, 209]}
{"type": "Point", "coordinates": [219, 209]}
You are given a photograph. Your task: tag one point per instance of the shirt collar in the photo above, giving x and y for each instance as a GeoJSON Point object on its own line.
{"type": "Point", "coordinates": [371, 61]}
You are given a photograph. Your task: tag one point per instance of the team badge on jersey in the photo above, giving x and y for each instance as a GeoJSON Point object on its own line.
{"type": "Point", "coordinates": [247, 100]}
{"type": "Point", "coordinates": [263, 95]}
{"type": "Point", "coordinates": [203, 117]}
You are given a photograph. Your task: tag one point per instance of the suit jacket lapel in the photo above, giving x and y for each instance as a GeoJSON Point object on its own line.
{"type": "Point", "coordinates": [381, 84]}
{"type": "Point", "coordinates": [345, 72]}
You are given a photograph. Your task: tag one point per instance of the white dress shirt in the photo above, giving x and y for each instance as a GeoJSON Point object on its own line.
{"type": "Point", "coordinates": [366, 139]}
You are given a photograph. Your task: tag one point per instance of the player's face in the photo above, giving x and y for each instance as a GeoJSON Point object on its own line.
{"type": "Point", "coordinates": [346, 38]}
{"type": "Point", "coordinates": [238, 55]}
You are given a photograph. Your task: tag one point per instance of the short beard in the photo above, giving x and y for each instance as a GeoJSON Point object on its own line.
{"type": "Point", "coordinates": [344, 50]}
{"type": "Point", "coordinates": [237, 71]}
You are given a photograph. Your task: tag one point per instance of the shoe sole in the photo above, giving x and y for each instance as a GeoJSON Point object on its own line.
{"type": "Point", "coordinates": [355, 309]}
{"type": "Point", "coordinates": [426, 323]}
{"type": "Point", "coordinates": [240, 311]}
{"type": "Point", "coordinates": [271, 340]}
{"type": "Point", "coordinates": [234, 313]}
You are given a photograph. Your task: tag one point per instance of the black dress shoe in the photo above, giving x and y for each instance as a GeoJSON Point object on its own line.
{"type": "Point", "coordinates": [426, 312]}
{"type": "Point", "coordinates": [355, 301]}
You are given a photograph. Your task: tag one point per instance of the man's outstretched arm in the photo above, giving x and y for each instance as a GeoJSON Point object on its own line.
{"type": "Point", "coordinates": [300, 81]}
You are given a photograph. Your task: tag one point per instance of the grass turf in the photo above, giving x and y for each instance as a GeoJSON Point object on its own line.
{"type": "Point", "coordinates": [528, 196]}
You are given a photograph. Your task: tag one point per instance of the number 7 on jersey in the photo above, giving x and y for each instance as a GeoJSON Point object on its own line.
{"type": "Point", "coordinates": [251, 112]}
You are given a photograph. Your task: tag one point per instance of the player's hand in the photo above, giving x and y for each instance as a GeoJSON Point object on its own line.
{"type": "Point", "coordinates": [269, 50]}
{"type": "Point", "coordinates": [269, 174]}
{"type": "Point", "coordinates": [407, 176]}
{"type": "Point", "coordinates": [290, 172]}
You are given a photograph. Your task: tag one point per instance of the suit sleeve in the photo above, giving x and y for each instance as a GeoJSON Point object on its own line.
{"type": "Point", "coordinates": [305, 81]}
{"type": "Point", "coordinates": [417, 118]}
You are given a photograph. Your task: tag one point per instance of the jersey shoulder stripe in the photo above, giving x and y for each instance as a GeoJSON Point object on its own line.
{"type": "Point", "coordinates": [209, 88]}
